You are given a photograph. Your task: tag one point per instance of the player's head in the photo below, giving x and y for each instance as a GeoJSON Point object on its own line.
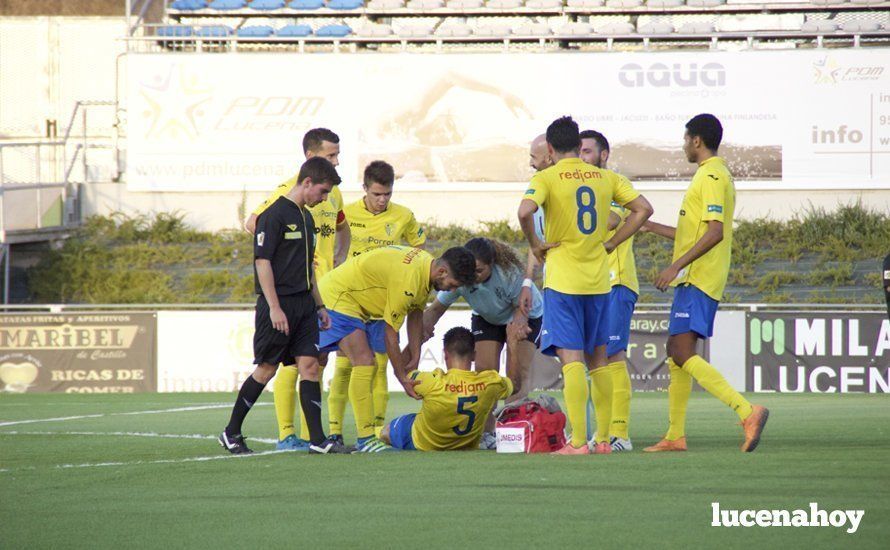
{"type": "Point", "coordinates": [490, 252]}
{"type": "Point", "coordinates": [316, 179]}
{"type": "Point", "coordinates": [459, 348]}
{"type": "Point", "coordinates": [453, 269]}
{"type": "Point", "coordinates": [563, 137]}
{"type": "Point", "coordinates": [379, 179]}
{"type": "Point", "coordinates": [321, 142]}
{"type": "Point", "coordinates": [703, 136]}
{"type": "Point", "coordinates": [594, 148]}
{"type": "Point", "coordinates": [538, 155]}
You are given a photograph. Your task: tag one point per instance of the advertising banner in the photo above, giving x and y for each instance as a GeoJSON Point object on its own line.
{"type": "Point", "coordinates": [77, 352]}
{"type": "Point", "coordinates": [833, 352]}
{"type": "Point", "coordinates": [203, 122]}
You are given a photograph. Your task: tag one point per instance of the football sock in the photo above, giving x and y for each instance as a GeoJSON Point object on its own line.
{"type": "Point", "coordinates": [380, 391]}
{"type": "Point", "coordinates": [678, 398]}
{"type": "Point", "coordinates": [310, 402]}
{"type": "Point", "coordinates": [621, 389]}
{"type": "Point", "coordinates": [362, 402]}
{"type": "Point", "coordinates": [576, 394]}
{"type": "Point", "coordinates": [248, 394]}
{"type": "Point", "coordinates": [711, 380]}
{"type": "Point", "coordinates": [601, 394]}
{"type": "Point", "coordinates": [338, 395]}
{"type": "Point", "coordinates": [285, 398]}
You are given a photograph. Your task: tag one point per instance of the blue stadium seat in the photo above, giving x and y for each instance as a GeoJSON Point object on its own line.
{"type": "Point", "coordinates": [306, 4]}
{"type": "Point", "coordinates": [346, 4]}
{"type": "Point", "coordinates": [256, 31]}
{"type": "Point", "coordinates": [174, 31]}
{"type": "Point", "coordinates": [334, 31]}
{"type": "Point", "coordinates": [226, 5]}
{"type": "Point", "coordinates": [189, 5]}
{"type": "Point", "coordinates": [266, 5]}
{"type": "Point", "coordinates": [295, 31]}
{"type": "Point", "coordinates": [215, 31]}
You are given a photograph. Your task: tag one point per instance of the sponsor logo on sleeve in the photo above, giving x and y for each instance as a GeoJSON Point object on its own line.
{"type": "Point", "coordinates": [715, 208]}
{"type": "Point", "coordinates": [260, 238]}
{"type": "Point", "coordinates": [530, 192]}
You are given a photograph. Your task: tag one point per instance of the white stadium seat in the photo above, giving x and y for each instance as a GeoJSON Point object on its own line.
{"type": "Point", "coordinates": [658, 27]}
{"type": "Point", "coordinates": [374, 31]}
{"type": "Point", "coordinates": [457, 29]}
{"type": "Point", "coordinates": [530, 28]}
{"type": "Point", "coordinates": [861, 26]}
{"type": "Point", "coordinates": [665, 3]}
{"type": "Point", "coordinates": [493, 30]}
{"type": "Point", "coordinates": [421, 5]}
{"type": "Point", "coordinates": [385, 4]}
{"type": "Point", "coordinates": [827, 2]}
{"type": "Point", "coordinates": [819, 26]}
{"type": "Point", "coordinates": [576, 29]}
{"type": "Point", "coordinates": [544, 4]}
{"type": "Point", "coordinates": [585, 3]}
{"type": "Point", "coordinates": [867, 2]}
{"type": "Point", "coordinates": [696, 27]}
{"type": "Point", "coordinates": [413, 31]}
{"type": "Point", "coordinates": [504, 4]}
{"type": "Point", "coordinates": [624, 3]}
{"type": "Point", "coordinates": [705, 3]}
{"type": "Point", "coordinates": [465, 4]}
{"type": "Point", "coordinates": [617, 27]}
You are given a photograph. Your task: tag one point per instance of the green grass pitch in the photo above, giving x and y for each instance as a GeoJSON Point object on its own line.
{"type": "Point", "coordinates": [89, 482]}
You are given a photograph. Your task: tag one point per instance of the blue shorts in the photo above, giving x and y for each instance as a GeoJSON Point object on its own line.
{"type": "Point", "coordinates": [574, 321]}
{"type": "Point", "coordinates": [400, 432]}
{"type": "Point", "coordinates": [341, 327]}
{"type": "Point", "coordinates": [692, 311]}
{"type": "Point", "coordinates": [621, 308]}
{"type": "Point", "coordinates": [377, 335]}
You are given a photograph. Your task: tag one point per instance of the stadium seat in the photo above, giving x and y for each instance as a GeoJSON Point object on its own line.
{"type": "Point", "coordinates": [421, 5]}
{"type": "Point", "coordinates": [465, 4]}
{"type": "Point", "coordinates": [215, 31]}
{"type": "Point", "coordinates": [827, 2]}
{"type": "Point", "coordinates": [386, 4]}
{"type": "Point", "coordinates": [575, 29]}
{"type": "Point", "coordinates": [696, 27]}
{"type": "Point", "coordinates": [624, 3]}
{"type": "Point", "coordinates": [175, 31]}
{"type": "Point", "coordinates": [189, 5]}
{"type": "Point", "coordinates": [227, 5]}
{"type": "Point", "coordinates": [867, 2]}
{"type": "Point", "coordinates": [346, 4]}
{"type": "Point", "coordinates": [414, 31]}
{"type": "Point", "coordinates": [374, 31]}
{"type": "Point", "coordinates": [530, 28]}
{"type": "Point", "coordinates": [294, 31]}
{"type": "Point", "coordinates": [493, 30]}
{"type": "Point", "coordinates": [585, 3]}
{"type": "Point", "coordinates": [334, 31]}
{"type": "Point", "coordinates": [504, 4]}
{"type": "Point", "coordinates": [656, 27]}
{"type": "Point", "coordinates": [657, 4]}
{"type": "Point", "coordinates": [255, 31]}
{"type": "Point", "coordinates": [861, 26]}
{"type": "Point", "coordinates": [306, 4]}
{"type": "Point", "coordinates": [455, 29]}
{"type": "Point", "coordinates": [544, 4]}
{"type": "Point", "coordinates": [705, 3]}
{"type": "Point", "coordinates": [617, 27]}
{"type": "Point", "coordinates": [266, 5]}
{"type": "Point", "coordinates": [825, 25]}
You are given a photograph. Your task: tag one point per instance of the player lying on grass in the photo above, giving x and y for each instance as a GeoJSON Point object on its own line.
{"type": "Point", "coordinates": [500, 279]}
{"type": "Point", "coordinates": [457, 401]}
{"type": "Point", "coordinates": [387, 283]}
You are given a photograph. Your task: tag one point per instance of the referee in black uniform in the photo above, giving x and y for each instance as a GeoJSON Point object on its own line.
{"type": "Point", "coordinates": [289, 308]}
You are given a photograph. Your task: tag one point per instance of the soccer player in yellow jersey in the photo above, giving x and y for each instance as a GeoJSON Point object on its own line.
{"type": "Point", "coordinates": [331, 244]}
{"type": "Point", "coordinates": [576, 198]}
{"type": "Point", "coordinates": [455, 402]}
{"type": "Point", "coordinates": [622, 299]}
{"type": "Point", "coordinates": [374, 221]}
{"type": "Point", "coordinates": [700, 267]}
{"type": "Point", "coordinates": [389, 283]}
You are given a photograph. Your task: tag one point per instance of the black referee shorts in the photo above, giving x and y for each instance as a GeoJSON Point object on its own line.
{"type": "Point", "coordinates": [273, 346]}
{"type": "Point", "coordinates": [483, 330]}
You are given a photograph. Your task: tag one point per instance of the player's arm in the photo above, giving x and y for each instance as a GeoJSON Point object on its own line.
{"type": "Point", "coordinates": [640, 210]}
{"type": "Point", "coordinates": [431, 316]}
{"type": "Point", "coordinates": [539, 248]}
{"type": "Point", "coordinates": [250, 223]}
{"type": "Point", "coordinates": [342, 239]}
{"type": "Point", "coordinates": [525, 295]}
{"type": "Point", "coordinates": [323, 317]}
{"type": "Point", "coordinates": [401, 362]}
{"type": "Point", "coordinates": [712, 236]}
{"type": "Point", "coordinates": [514, 373]}
{"type": "Point", "coordinates": [413, 233]}
{"type": "Point", "coordinates": [265, 243]}
{"type": "Point", "coordinates": [614, 220]}
{"type": "Point", "coordinates": [666, 231]}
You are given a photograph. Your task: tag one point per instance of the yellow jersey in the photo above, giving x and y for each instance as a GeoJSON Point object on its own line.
{"type": "Point", "coordinates": [710, 197]}
{"type": "Point", "coordinates": [394, 225]}
{"type": "Point", "coordinates": [576, 198]}
{"type": "Point", "coordinates": [455, 406]}
{"type": "Point", "coordinates": [622, 265]}
{"type": "Point", "coordinates": [384, 283]}
{"type": "Point", "coordinates": [326, 215]}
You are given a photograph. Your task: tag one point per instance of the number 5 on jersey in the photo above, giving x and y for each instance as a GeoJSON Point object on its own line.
{"type": "Point", "coordinates": [471, 415]}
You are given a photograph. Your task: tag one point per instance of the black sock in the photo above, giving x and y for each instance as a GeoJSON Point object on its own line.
{"type": "Point", "coordinates": [247, 396]}
{"type": "Point", "coordinates": [310, 402]}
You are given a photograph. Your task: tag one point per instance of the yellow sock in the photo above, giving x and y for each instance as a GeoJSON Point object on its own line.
{"type": "Point", "coordinates": [710, 379]}
{"type": "Point", "coordinates": [380, 391]}
{"type": "Point", "coordinates": [360, 397]}
{"type": "Point", "coordinates": [576, 395]}
{"type": "Point", "coordinates": [678, 398]}
{"type": "Point", "coordinates": [621, 389]}
{"type": "Point", "coordinates": [601, 393]}
{"type": "Point", "coordinates": [285, 399]}
{"type": "Point", "coordinates": [338, 395]}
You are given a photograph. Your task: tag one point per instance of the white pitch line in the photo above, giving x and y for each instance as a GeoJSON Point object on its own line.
{"type": "Point", "coordinates": [139, 434]}
{"type": "Point", "coordinates": [100, 415]}
{"type": "Point", "coordinates": [163, 461]}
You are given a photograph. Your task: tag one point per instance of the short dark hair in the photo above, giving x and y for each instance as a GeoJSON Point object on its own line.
{"type": "Point", "coordinates": [459, 341]}
{"type": "Point", "coordinates": [708, 128]}
{"type": "Point", "coordinates": [319, 170]}
{"type": "Point", "coordinates": [563, 135]}
{"type": "Point", "coordinates": [379, 171]}
{"type": "Point", "coordinates": [313, 138]}
{"type": "Point", "coordinates": [600, 139]}
{"type": "Point", "coordinates": [462, 264]}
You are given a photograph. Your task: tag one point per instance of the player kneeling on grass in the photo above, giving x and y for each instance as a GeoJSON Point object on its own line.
{"type": "Point", "coordinates": [456, 402]}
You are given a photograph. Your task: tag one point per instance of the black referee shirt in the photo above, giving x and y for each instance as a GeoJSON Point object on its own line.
{"type": "Point", "coordinates": [285, 235]}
